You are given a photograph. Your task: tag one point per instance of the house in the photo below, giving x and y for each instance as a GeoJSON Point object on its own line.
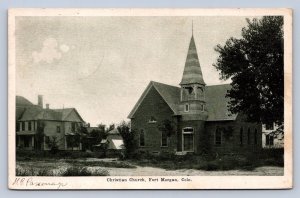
{"type": "Point", "coordinates": [197, 114]}
{"type": "Point", "coordinates": [271, 139]}
{"type": "Point", "coordinates": [36, 126]}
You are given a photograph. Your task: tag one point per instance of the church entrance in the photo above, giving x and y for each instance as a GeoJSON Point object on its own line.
{"type": "Point", "coordinates": [188, 139]}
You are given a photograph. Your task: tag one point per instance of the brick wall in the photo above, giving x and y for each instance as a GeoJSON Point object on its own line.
{"type": "Point", "coordinates": [153, 105]}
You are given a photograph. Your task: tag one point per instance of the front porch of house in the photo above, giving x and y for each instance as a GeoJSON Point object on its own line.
{"type": "Point", "coordinates": [25, 140]}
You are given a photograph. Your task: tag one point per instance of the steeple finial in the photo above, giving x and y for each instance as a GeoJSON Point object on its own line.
{"type": "Point", "coordinates": [192, 28]}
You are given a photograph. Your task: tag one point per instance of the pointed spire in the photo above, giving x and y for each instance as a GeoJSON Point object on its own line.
{"type": "Point", "coordinates": [192, 71]}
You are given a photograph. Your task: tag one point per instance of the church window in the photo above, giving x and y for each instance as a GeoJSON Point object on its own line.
{"type": "Point", "coordinates": [152, 119]}
{"type": "Point", "coordinates": [164, 139]}
{"type": "Point", "coordinates": [248, 136]}
{"type": "Point", "coordinates": [202, 107]}
{"type": "Point", "coordinates": [241, 136]}
{"type": "Point", "coordinates": [186, 107]}
{"type": "Point", "coordinates": [255, 136]}
{"type": "Point", "coordinates": [188, 139]}
{"type": "Point", "coordinates": [218, 137]}
{"type": "Point", "coordinates": [142, 138]}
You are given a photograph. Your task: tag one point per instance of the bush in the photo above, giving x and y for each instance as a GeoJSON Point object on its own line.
{"type": "Point", "coordinates": [33, 172]}
{"type": "Point", "coordinates": [83, 171]}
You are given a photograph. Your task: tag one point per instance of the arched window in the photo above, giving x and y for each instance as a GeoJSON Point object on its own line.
{"type": "Point", "coordinates": [241, 136]}
{"type": "Point", "coordinates": [248, 136]}
{"type": "Point", "coordinates": [218, 137]}
{"type": "Point", "coordinates": [142, 138]}
{"type": "Point", "coordinates": [164, 138]}
{"type": "Point", "coordinates": [255, 136]}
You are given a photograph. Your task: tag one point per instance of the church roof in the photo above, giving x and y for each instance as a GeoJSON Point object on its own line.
{"type": "Point", "coordinates": [21, 101]}
{"type": "Point", "coordinates": [215, 100]}
{"type": "Point", "coordinates": [192, 71]}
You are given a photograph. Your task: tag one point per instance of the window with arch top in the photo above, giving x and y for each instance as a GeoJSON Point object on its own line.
{"type": "Point", "coordinates": [142, 137]}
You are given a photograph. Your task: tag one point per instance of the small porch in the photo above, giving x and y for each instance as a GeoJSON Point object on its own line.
{"type": "Point", "coordinates": [25, 140]}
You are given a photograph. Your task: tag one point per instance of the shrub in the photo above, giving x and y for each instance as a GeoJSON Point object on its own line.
{"type": "Point", "coordinates": [84, 171]}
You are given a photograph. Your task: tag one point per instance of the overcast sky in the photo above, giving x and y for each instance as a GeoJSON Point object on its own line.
{"type": "Point", "coordinates": [101, 65]}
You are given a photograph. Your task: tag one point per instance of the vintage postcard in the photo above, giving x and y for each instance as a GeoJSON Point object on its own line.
{"type": "Point", "coordinates": [150, 98]}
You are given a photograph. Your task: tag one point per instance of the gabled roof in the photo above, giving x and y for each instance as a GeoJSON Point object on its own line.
{"type": "Point", "coordinates": [21, 101]}
{"type": "Point", "coordinates": [192, 71]}
{"type": "Point", "coordinates": [37, 113]}
{"type": "Point", "coordinates": [170, 94]}
{"type": "Point", "coordinates": [214, 95]}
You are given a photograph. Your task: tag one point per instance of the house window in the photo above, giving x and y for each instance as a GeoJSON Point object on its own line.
{"type": "Point", "coordinates": [142, 138]}
{"type": "Point", "coordinates": [248, 136]}
{"type": "Point", "coordinates": [218, 137]}
{"type": "Point", "coordinates": [73, 126]}
{"type": "Point", "coordinates": [17, 126]}
{"type": "Point", "coordinates": [29, 126]}
{"type": "Point", "coordinates": [269, 140]}
{"type": "Point", "coordinates": [152, 119]}
{"type": "Point", "coordinates": [58, 129]}
{"type": "Point", "coordinates": [23, 126]}
{"type": "Point", "coordinates": [186, 107]}
{"type": "Point", "coordinates": [164, 138]}
{"type": "Point", "coordinates": [255, 136]}
{"type": "Point", "coordinates": [270, 126]}
{"type": "Point", "coordinates": [241, 136]}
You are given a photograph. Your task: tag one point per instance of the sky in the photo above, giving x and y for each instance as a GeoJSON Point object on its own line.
{"type": "Point", "coordinates": [102, 65]}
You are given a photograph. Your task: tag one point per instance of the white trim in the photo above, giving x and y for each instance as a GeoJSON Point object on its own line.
{"type": "Point", "coordinates": [182, 138]}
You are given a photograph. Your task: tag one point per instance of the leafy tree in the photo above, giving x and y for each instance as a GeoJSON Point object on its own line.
{"type": "Point", "coordinates": [254, 63]}
{"type": "Point", "coordinates": [128, 136]}
{"type": "Point", "coordinates": [111, 127]}
{"type": "Point", "coordinates": [52, 143]}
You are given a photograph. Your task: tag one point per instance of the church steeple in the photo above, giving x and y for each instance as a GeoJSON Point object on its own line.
{"type": "Point", "coordinates": [192, 73]}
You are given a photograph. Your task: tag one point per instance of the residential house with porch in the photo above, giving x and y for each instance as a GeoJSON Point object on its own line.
{"type": "Point", "coordinates": [36, 126]}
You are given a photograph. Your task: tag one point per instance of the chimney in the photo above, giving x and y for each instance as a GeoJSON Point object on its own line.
{"type": "Point", "coordinates": [40, 101]}
{"type": "Point", "coordinates": [47, 106]}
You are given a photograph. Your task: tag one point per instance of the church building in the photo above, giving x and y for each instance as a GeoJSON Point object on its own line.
{"type": "Point", "coordinates": [191, 118]}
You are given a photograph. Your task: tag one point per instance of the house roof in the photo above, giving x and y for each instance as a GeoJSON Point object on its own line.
{"type": "Point", "coordinates": [37, 113]}
{"type": "Point", "coordinates": [21, 101]}
{"type": "Point", "coordinates": [214, 95]}
{"type": "Point", "coordinates": [115, 131]}
{"type": "Point", "coordinates": [192, 71]}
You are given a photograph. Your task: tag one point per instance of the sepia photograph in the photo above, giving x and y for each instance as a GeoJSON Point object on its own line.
{"type": "Point", "coordinates": [150, 98]}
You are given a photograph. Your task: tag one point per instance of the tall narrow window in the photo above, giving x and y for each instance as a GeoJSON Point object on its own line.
{"type": "Point", "coordinates": [248, 136]}
{"type": "Point", "coordinates": [269, 140]}
{"type": "Point", "coordinates": [202, 107]}
{"type": "Point", "coordinates": [142, 138]}
{"type": "Point", "coordinates": [186, 107]}
{"type": "Point", "coordinates": [23, 126]}
{"type": "Point", "coordinates": [29, 126]}
{"type": "Point", "coordinates": [73, 126]}
{"type": "Point", "coordinates": [18, 126]}
{"type": "Point", "coordinates": [255, 136]}
{"type": "Point", "coordinates": [58, 129]}
{"type": "Point", "coordinates": [218, 136]}
{"type": "Point", "coordinates": [164, 138]}
{"type": "Point", "coordinates": [241, 136]}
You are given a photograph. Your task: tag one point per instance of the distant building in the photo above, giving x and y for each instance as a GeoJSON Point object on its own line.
{"type": "Point", "coordinates": [271, 139]}
{"type": "Point", "coordinates": [199, 115]}
{"type": "Point", "coordinates": [36, 125]}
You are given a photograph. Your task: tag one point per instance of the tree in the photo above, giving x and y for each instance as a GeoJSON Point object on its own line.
{"type": "Point", "coordinates": [128, 136]}
{"type": "Point", "coordinates": [39, 136]}
{"type": "Point", "coordinates": [52, 143]}
{"type": "Point", "coordinates": [254, 63]}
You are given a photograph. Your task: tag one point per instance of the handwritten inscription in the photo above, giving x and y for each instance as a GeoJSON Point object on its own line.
{"type": "Point", "coordinates": [32, 182]}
